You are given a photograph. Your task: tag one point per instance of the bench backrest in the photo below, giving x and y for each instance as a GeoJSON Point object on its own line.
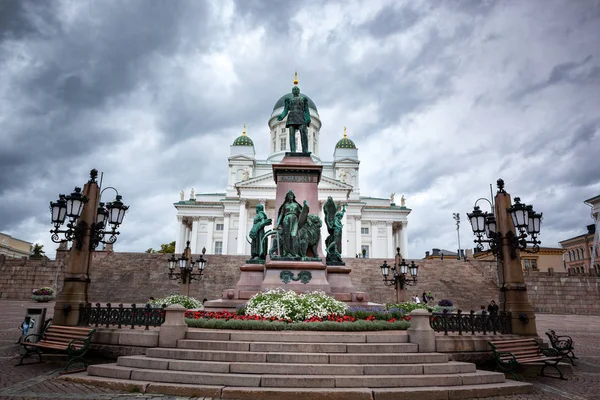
{"type": "Point", "coordinates": [59, 334]}
{"type": "Point", "coordinates": [521, 349]}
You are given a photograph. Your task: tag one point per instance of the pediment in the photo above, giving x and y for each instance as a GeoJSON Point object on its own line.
{"type": "Point", "coordinates": [330, 183]}
{"type": "Point", "coordinates": [241, 157]}
{"type": "Point", "coordinates": [347, 160]}
{"type": "Point", "coordinates": [257, 181]}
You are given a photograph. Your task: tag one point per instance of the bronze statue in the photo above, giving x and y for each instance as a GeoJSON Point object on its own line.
{"type": "Point", "coordinates": [333, 243]}
{"type": "Point", "coordinates": [296, 108]}
{"type": "Point", "coordinates": [258, 247]}
{"type": "Point", "coordinates": [297, 234]}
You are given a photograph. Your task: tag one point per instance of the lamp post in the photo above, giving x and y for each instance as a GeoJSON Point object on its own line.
{"type": "Point", "coordinates": [86, 228]}
{"type": "Point", "coordinates": [182, 268]}
{"type": "Point", "coordinates": [500, 228]}
{"type": "Point", "coordinates": [456, 217]}
{"type": "Point", "coordinates": [399, 279]}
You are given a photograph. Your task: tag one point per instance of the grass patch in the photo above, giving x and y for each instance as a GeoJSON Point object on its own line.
{"type": "Point", "coordinates": [356, 326]}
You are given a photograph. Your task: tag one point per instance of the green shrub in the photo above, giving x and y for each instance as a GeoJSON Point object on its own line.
{"type": "Point", "coordinates": [356, 326]}
{"type": "Point", "coordinates": [407, 307]}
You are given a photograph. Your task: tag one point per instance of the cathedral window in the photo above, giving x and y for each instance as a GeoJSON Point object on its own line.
{"type": "Point", "coordinates": [218, 247]}
{"type": "Point", "coordinates": [219, 227]}
{"type": "Point", "coordinates": [283, 144]}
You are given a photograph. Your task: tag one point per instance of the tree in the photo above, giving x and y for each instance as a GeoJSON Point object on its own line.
{"type": "Point", "coordinates": [37, 252]}
{"type": "Point", "coordinates": [166, 248]}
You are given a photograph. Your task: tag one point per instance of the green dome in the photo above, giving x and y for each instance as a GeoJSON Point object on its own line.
{"type": "Point", "coordinates": [243, 141]}
{"type": "Point", "coordinates": [345, 143]}
{"type": "Point", "coordinates": [281, 101]}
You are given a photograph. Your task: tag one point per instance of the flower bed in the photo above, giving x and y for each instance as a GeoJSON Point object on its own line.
{"type": "Point", "coordinates": [279, 309]}
{"type": "Point", "coordinates": [187, 302]}
{"type": "Point", "coordinates": [42, 294]}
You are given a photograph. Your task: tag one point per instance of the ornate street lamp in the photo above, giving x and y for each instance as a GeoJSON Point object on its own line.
{"type": "Point", "coordinates": [524, 219]}
{"type": "Point", "coordinates": [182, 268]}
{"type": "Point", "coordinates": [86, 218]}
{"type": "Point", "coordinates": [399, 278]}
{"type": "Point", "coordinates": [72, 206]}
{"type": "Point", "coordinates": [508, 229]}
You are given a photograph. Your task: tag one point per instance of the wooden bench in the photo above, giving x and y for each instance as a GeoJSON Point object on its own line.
{"type": "Point", "coordinates": [562, 344]}
{"type": "Point", "coordinates": [509, 354]}
{"type": "Point", "coordinates": [70, 339]}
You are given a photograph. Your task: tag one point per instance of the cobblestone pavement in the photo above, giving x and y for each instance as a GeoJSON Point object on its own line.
{"type": "Point", "coordinates": [39, 381]}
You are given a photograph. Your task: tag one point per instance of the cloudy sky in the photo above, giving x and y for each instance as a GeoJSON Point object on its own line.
{"type": "Point", "coordinates": [441, 98]}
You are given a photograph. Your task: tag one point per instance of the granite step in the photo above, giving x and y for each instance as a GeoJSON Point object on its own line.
{"type": "Point", "coordinates": [296, 358]}
{"type": "Point", "coordinates": [298, 337]}
{"type": "Point", "coordinates": [506, 388]}
{"type": "Point", "coordinates": [143, 362]}
{"type": "Point", "coordinates": [292, 347]}
{"type": "Point", "coordinates": [295, 381]}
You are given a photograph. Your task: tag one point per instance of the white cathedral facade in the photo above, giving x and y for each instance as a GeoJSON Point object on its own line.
{"type": "Point", "coordinates": [220, 222]}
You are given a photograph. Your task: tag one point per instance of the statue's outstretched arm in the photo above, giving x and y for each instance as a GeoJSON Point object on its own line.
{"type": "Point", "coordinates": [286, 108]}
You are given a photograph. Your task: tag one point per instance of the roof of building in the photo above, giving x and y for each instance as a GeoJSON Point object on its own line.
{"type": "Point", "coordinates": [243, 140]}
{"type": "Point", "coordinates": [345, 143]}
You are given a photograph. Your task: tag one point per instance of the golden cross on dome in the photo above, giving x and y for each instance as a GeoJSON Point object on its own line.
{"type": "Point", "coordinates": [296, 78]}
{"type": "Point", "coordinates": [345, 136]}
{"type": "Point", "coordinates": [244, 132]}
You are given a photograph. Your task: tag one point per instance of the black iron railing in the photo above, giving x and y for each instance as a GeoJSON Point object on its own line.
{"type": "Point", "coordinates": [472, 323]}
{"type": "Point", "coordinates": [121, 316]}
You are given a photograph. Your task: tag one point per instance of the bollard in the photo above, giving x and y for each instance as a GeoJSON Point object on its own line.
{"type": "Point", "coordinates": [420, 332]}
{"type": "Point", "coordinates": [174, 328]}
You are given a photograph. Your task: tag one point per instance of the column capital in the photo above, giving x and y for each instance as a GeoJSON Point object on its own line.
{"type": "Point", "coordinates": [211, 218]}
{"type": "Point", "coordinates": [227, 214]}
{"type": "Point", "coordinates": [243, 201]}
{"type": "Point", "coordinates": [389, 223]}
{"type": "Point", "coordinates": [180, 218]}
{"type": "Point", "coordinates": [195, 219]}
{"type": "Point", "coordinates": [262, 201]}
{"type": "Point", "coordinates": [358, 217]}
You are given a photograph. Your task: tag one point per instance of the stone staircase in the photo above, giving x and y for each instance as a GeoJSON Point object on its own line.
{"type": "Point", "coordinates": [299, 365]}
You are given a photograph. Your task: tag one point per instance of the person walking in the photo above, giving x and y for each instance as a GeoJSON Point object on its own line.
{"type": "Point", "coordinates": [424, 298]}
{"type": "Point", "coordinates": [417, 299]}
{"type": "Point", "coordinates": [493, 307]}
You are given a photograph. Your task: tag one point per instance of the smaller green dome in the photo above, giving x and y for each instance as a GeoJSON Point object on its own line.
{"type": "Point", "coordinates": [243, 140]}
{"type": "Point", "coordinates": [345, 143]}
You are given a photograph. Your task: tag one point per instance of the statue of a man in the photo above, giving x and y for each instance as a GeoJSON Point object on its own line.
{"type": "Point", "coordinates": [192, 197]}
{"type": "Point", "coordinates": [403, 201]}
{"type": "Point", "coordinates": [258, 246]}
{"type": "Point", "coordinates": [333, 218]}
{"type": "Point", "coordinates": [245, 174]}
{"type": "Point", "coordinates": [182, 195]}
{"type": "Point", "coordinates": [296, 109]}
{"type": "Point", "coordinates": [392, 195]}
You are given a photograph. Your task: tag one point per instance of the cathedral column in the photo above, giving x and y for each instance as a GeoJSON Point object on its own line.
{"type": "Point", "coordinates": [180, 243]}
{"type": "Point", "coordinates": [241, 238]}
{"type": "Point", "coordinates": [226, 219]}
{"type": "Point", "coordinates": [209, 235]}
{"type": "Point", "coordinates": [194, 238]}
{"type": "Point", "coordinates": [404, 240]}
{"type": "Point", "coordinates": [358, 249]}
{"type": "Point", "coordinates": [373, 239]}
{"type": "Point", "coordinates": [389, 239]}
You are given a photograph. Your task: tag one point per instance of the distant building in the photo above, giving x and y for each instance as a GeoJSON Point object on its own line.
{"type": "Point", "coordinates": [442, 253]}
{"type": "Point", "coordinates": [13, 247]}
{"type": "Point", "coordinates": [546, 258]}
{"type": "Point", "coordinates": [582, 253]}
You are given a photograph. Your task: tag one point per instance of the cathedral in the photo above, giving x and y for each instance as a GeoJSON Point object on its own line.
{"type": "Point", "coordinates": [220, 222]}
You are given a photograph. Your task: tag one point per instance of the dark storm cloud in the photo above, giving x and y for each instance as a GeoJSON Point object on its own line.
{"type": "Point", "coordinates": [15, 21]}
{"type": "Point", "coordinates": [390, 20]}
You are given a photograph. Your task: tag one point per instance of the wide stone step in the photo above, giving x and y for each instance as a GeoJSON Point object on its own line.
{"type": "Point", "coordinates": [506, 388]}
{"type": "Point", "coordinates": [302, 358]}
{"type": "Point", "coordinates": [295, 381]}
{"type": "Point", "coordinates": [310, 347]}
{"type": "Point", "coordinates": [143, 362]}
{"type": "Point", "coordinates": [299, 337]}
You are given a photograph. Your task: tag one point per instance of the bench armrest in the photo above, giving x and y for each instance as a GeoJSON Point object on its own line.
{"type": "Point", "coordinates": [27, 339]}
{"type": "Point", "coordinates": [72, 350]}
{"type": "Point", "coordinates": [550, 352]}
{"type": "Point", "coordinates": [511, 361]}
